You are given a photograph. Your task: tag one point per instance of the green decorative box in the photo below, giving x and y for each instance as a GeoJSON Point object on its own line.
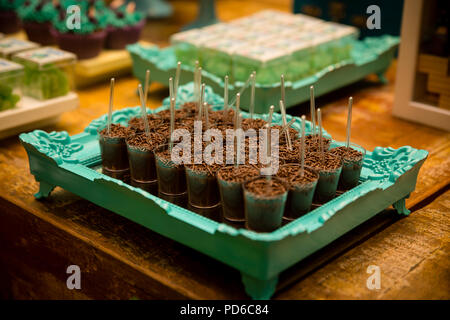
{"type": "Point", "coordinates": [73, 163]}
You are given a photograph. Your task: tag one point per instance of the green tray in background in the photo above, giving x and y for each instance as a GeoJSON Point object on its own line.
{"type": "Point", "coordinates": [369, 56]}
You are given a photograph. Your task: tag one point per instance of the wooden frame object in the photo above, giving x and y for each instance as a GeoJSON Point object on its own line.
{"type": "Point", "coordinates": [405, 105]}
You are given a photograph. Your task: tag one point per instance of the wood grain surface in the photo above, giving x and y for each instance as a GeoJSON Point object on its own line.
{"type": "Point", "coordinates": [122, 260]}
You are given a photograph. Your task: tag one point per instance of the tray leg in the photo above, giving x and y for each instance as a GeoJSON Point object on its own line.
{"type": "Point", "coordinates": [381, 77]}
{"type": "Point", "coordinates": [401, 207]}
{"type": "Point", "coordinates": [259, 289]}
{"type": "Point", "coordinates": [44, 190]}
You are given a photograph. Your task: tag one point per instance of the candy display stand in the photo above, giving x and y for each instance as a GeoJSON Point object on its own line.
{"type": "Point", "coordinates": [74, 163]}
{"type": "Point", "coordinates": [371, 55]}
{"type": "Point", "coordinates": [31, 113]}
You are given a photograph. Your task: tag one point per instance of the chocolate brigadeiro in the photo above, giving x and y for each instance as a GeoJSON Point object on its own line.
{"type": "Point", "coordinates": [136, 124]}
{"type": "Point", "coordinates": [191, 109]}
{"type": "Point", "coordinates": [328, 161]}
{"type": "Point", "coordinates": [116, 131]}
{"type": "Point", "coordinates": [144, 143]}
{"type": "Point", "coordinates": [292, 175]}
{"type": "Point", "coordinates": [230, 179]}
{"type": "Point", "coordinates": [313, 145]}
{"type": "Point", "coordinates": [142, 160]}
{"type": "Point", "coordinates": [330, 167]}
{"type": "Point", "coordinates": [289, 156]}
{"type": "Point", "coordinates": [347, 154]}
{"type": "Point", "coordinates": [352, 165]}
{"type": "Point", "coordinates": [164, 130]}
{"type": "Point", "coordinates": [301, 189]}
{"type": "Point", "coordinates": [113, 150]}
{"type": "Point", "coordinates": [264, 187]}
{"type": "Point", "coordinates": [180, 114]}
{"type": "Point", "coordinates": [255, 123]}
{"type": "Point", "coordinates": [294, 134]}
{"type": "Point", "coordinates": [222, 116]}
{"type": "Point", "coordinates": [265, 200]}
{"type": "Point", "coordinates": [237, 174]}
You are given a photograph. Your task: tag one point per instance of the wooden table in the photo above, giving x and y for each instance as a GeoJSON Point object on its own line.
{"type": "Point", "coordinates": [122, 260]}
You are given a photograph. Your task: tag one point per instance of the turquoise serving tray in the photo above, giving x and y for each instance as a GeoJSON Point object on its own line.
{"type": "Point", "coordinates": [74, 163]}
{"type": "Point", "coordinates": [372, 55]}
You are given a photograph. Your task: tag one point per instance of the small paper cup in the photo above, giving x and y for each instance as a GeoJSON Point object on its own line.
{"type": "Point", "coordinates": [203, 191]}
{"type": "Point", "coordinates": [114, 156]}
{"type": "Point", "coordinates": [264, 214]}
{"type": "Point", "coordinates": [300, 196]}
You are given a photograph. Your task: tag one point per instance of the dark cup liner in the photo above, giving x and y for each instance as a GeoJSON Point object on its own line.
{"type": "Point", "coordinates": [232, 199]}
{"type": "Point", "coordinates": [203, 191]}
{"type": "Point", "coordinates": [171, 177]}
{"type": "Point", "coordinates": [178, 199]}
{"type": "Point", "coordinates": [149, 186]}
{"type": "Point", "coordinates": [142, 164]}
{"type": "Point", "coordinates": [264, 214]}
{"type": "Point", "coordinates": [39, 32]}
{"type": "Point", "coordinates": [327, 185]}
{"type": "Point", "coordinates": [119, 38]}
{"type": "Point", "coordinates": [9, 22]}
{"type": "Point", "coordinates": [300, 197]}
{"type": "Point", "coordinates": [85, 46]}
{"type": "Point", "coordinates": [114, 155]}
{"type": "Point", "coordinates": [213, 213]}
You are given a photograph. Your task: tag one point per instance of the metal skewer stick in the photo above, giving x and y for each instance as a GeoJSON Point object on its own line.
{"type": "Point", "coordinates": [312, 104]}
{"type": "Point", "coordinates": [111, 102]}
{"type": "Point", "coordinates": [302, 162]}
{"type": "Point", "coordinates": [319, 118]}
{"type": "Point", "coordinates": [146, 86]}
{"type": "Point", "coordinates": [349, 122]}
{"type": "Point", "coordinates": [283, 115]}
{"type": "Point", "coordinates": [206, 111]}
{"type": "Point", "coordinates": [271, 110]}
{"type": "Point", "coordinates": [177, 80]}
{"type": "Point", "coordinates": [225, 95]}
{"type": "Point", "coordinates": [238, 139]}
{"type": "Point", "coordinates": [283, 91]}
{"type": "Point", "coordinates": [252, 94]}
{"type": "Point", "coordinates": [237, 111]}
{"type": "Point", "coordinates": [144, 112]}
{"type": "Point", "coordinates": [172, 122]}
{"type": "Point", "coordinates": [200, 102]}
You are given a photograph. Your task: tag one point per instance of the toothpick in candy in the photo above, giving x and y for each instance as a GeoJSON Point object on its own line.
{"type": "Point", "coordinates": [144, 112]}
{"type": "Point", "coordinates": [252, 94]}
{"type": "Point", "coordinates": [238, 103]}
{"type": "Point", "coordinates": [271, 110]}
{"type": "Point", "coordinates": [283, 115]}
{"type": "Point", "coordinates": [302, 162]}
{"type": "Point", "coordinates": [170, 88]}
{"type": "Point", "coordinates": [172, 122]}
{"type": "Point", "coordinates": [177, 80]}
{"type": "Point", "coordinates": [146, 85]}
{"type": "Point", "coordinates": [349, 122]}
{"type": "Point", "coordinates": [111, 102]}
{"type": "Point", "coordinates": [283, 91]}
{"type": "Point", "coordinates": [201, 100]}
{"type": "Point", "coordinates": [238, 139]}
{"type": "Point", "coordinates": [313, 109]}
{"type": "Point", "coordinates": [225, 95]}
{"type": "Point", "coordinates": [206, 111]}
{"type": "Point", "coordinates": [319, 119]}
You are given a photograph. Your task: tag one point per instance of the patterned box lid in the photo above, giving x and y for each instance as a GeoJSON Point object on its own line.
{"type": "Point", "coordinates": [10, 46]}
{"type": "Point", "coordinates": [46, 55]}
